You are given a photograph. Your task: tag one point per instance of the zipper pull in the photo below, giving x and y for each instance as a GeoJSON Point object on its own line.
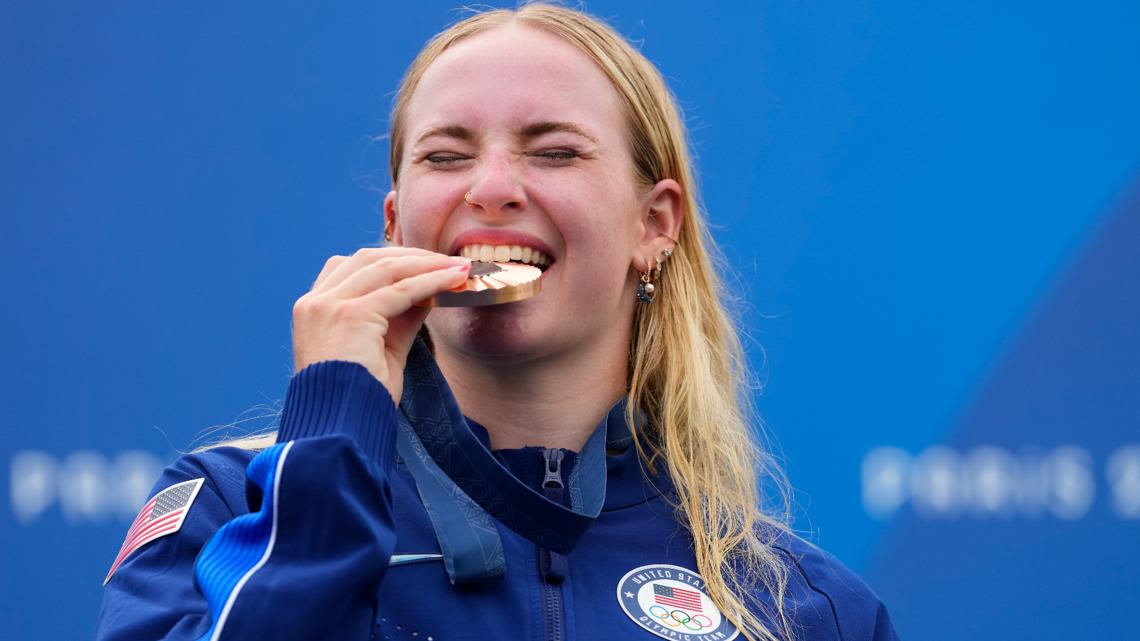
{"type": "Point", "coordinates": [553, 567]}
{"type": "Point", "coordinates": [552, 485]}
{"type": "Point", "coordinates": [553, 457]}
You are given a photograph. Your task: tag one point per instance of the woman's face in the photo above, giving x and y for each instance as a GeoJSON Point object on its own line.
{"type": "Point", "coordinates": [532, 129]}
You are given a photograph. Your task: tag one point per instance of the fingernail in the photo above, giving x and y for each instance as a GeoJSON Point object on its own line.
{"type": "Point", "coordinates": [462, 268]}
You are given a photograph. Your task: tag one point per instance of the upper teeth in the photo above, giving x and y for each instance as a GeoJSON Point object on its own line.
{"type": "Point", "coordinates": [504, 253]}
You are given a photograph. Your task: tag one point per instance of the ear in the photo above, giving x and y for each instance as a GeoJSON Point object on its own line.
{"type": "Point", "coordinates": [662, 212]}
{"type": "Point", "coordinates": [391, 224]}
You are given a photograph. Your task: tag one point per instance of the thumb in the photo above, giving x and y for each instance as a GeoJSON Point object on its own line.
{"type": "Point", "coordinates": [402, 332]}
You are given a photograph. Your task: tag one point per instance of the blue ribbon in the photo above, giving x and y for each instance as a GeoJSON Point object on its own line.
{"type": "Point", "coordinates": [463, 485]}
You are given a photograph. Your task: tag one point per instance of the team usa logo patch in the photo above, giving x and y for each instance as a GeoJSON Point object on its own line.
{"type": "Point", "coordinates": [162, 515]}
{"type": "Point", "coordinates": [671, 602]}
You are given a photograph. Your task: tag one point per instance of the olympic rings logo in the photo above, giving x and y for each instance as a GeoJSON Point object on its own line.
{"type": "Point", "coordinates": [671, 619]}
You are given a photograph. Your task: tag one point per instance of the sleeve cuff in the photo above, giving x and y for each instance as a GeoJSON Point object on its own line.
{"type": "Point", "coordinates": [340, 397]}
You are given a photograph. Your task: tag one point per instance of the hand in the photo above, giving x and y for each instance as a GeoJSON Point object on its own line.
{"type": "Point", "coordinates": [361, 309]}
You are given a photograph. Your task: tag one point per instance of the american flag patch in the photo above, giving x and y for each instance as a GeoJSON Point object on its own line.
{"type": "Point", "coordinates": [677, 597]}
{"type": "Point", "coordinates": [161, 515]}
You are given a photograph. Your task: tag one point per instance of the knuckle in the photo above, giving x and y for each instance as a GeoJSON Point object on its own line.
{"type": "Point", "coordinates": [302, 306]}
{"type": "Point", "coordinates": [310, 305]}
{"type": "Point", "coordinates": [345, 310]}
{"type": "Point", "coordinates": [402, 287]}
{"type": "Point", "coordinates": [370, 252]}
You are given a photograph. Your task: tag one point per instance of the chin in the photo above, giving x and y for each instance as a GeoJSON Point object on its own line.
{"type": "Point", "coordinates": [502, 333]}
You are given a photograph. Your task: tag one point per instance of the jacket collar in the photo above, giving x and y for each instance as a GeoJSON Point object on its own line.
{"type": "Point", "coordinates": [443, 452]}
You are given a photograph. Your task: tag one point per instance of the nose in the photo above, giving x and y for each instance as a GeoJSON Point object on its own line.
{"type": "Point", "coordinates": [498, 187]}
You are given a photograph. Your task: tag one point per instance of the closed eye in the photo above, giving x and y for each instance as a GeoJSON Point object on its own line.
{"type": "Point", "coordinates": [558, 155]}
{"type": "Point", "coordinates": [444, 159]}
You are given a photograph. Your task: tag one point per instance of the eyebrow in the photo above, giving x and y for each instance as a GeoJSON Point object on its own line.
{"type": "Point", "coordinates": [532, 130]}
{"type": "Point", "coordinates": [449, 131]}
{"type": "Point", "coordinates": [539, 128]}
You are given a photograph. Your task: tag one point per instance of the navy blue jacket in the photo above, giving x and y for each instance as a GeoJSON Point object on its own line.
{"type": "Point", "coordinates": [330, 534]}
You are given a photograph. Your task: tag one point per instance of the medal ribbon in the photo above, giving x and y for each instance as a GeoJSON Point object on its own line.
{"type": "Point", "coordinates": [463, 485]}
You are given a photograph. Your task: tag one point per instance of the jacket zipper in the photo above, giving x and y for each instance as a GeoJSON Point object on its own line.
{"type": "Point", "coordinates": [552, 567]}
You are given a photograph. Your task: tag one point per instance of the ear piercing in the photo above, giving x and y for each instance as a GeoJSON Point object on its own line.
{"type": "Point", "coordinates": [646, 289]}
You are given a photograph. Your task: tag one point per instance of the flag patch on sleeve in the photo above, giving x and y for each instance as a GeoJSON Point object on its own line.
{"type": "Point", "coordinates": [161, 515]}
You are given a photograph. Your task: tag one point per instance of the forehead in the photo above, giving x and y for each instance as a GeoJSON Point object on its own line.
{"type": "Point", "coordinates": [511, 75]}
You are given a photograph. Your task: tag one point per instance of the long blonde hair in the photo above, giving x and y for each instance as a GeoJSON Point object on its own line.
{"type": "Point", "coordinates": [686, 363]}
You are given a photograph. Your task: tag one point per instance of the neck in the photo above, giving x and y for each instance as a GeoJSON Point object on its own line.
{"type": "Point", "coordinates": [555, 401]}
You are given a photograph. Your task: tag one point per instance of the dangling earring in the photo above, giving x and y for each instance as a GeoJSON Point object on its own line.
{"type": "Point", "coordinates": [388, 229]}
{"type": "Point", "coordinates": [646, 290]}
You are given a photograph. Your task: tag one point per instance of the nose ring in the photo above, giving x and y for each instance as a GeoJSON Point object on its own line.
{"type": "Point", "coordinates": [467, 199]}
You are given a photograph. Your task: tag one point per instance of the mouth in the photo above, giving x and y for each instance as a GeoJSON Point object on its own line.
{"type": "Point", "coordinates": [507, 254]}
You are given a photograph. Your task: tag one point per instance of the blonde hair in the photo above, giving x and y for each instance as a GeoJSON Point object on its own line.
{"type": "Point", "coordinates": [686, 361]}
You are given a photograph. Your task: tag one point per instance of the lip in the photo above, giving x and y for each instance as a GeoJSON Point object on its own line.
{"type": "Point", "coordinates": [499, 237]}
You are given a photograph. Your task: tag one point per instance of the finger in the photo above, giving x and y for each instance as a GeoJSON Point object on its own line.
{"type": "Point", "coordinates": [400, 296]}
{"type": "Point", "coordinates": [347, 265]}
{"type": "Point", "coordinates": [388, 270]}
{"type": "Point", "coordinates": [330, 265]}
{"type": "Point", "coordinates": [402, 331]}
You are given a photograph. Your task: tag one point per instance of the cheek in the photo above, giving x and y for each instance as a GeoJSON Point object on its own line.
{"type": "Point", "coordinates": [599, 257]}
{"type": "Point", "coordinates": [597, 214]}
{"type": "Point", "coordinates": [422, 213]}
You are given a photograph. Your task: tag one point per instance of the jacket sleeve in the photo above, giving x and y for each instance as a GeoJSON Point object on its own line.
{"type": "Point", "coordinates": [306, 560]}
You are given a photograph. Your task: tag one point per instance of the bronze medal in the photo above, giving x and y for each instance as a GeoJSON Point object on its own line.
{"type": "Point", "coordinates": [491, 284]}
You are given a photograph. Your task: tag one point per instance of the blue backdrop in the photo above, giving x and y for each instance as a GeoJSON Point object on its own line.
{"type": "Point", "coordinates": [933, 211]}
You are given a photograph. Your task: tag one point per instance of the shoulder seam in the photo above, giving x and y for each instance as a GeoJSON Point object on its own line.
{"type": "Point", "coordinates": [807, 579]}
{"type": "Point", "coordinates": [207, 473]}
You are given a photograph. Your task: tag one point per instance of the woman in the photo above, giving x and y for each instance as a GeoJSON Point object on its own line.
{"type": "Point", "coordinates": [574, 465]}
